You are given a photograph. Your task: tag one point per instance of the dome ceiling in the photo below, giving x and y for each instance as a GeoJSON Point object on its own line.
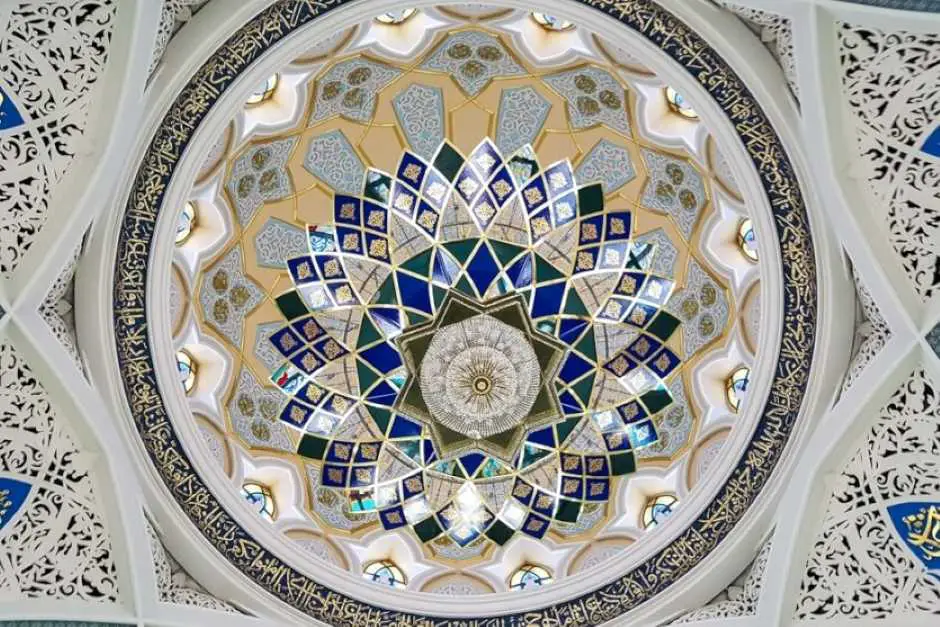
{"type": "Point", "coordinates": [466, 297]}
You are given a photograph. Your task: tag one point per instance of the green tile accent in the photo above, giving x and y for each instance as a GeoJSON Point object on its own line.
{"type": "Point", "coordinates": [568, 511]}
{"type": "Point", "coordinates": [564, 429]}
{"type": "Point", "coordinates": [505, 252]}
{"type": "Point", "coordinates": [587, 346]}
{"type": "Point", "coordinates": [448, 161]}
{"type": "Point", "coordinates": [622, 464]}
{"type": "Point", "coordinates": [544, 271]}
{"type": "Point", "coordinates": [461, 249]}
{"type": "Point", "coordinates": [367, 376]}
{"type": "Point", "coordinates": [415, 318]}
{"type": "Point", "coordinates": [419, 264]}
{"type": "Point", "coordinates": [656, 400]}
{"type": "Point", "coordinates": [463, 285]}
{"type": "Point", "coordinates": [291, 305]}
{"type": "Point", "coordinates": [499, 532]}
{"type": "Point", "coordinates": [367, 333]}
{"type": "Point", "coordinates": [312, 447]}
{"type": "Point", "coordinates": [381, 417]}
{"type": "Point", "coordinates": [428, 529]}
{"type": "Point", "coordinates": [663, 325]}
{"type": "Point", "coordinates": [439, 294]}
{"type": "Point", "coordinates": [574, 305]}
{"type": "Point", "coordinates": [582, 389]}
{"type": "Point", "coordinates": [590, 199]}
{"type": "Point", "coordinates": [386, 294]}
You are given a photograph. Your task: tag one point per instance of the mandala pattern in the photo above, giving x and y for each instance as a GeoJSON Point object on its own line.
{"type": "Point", "coordinates": [367, 273]}
{"type": "Point", "coordinates": [476, 357]}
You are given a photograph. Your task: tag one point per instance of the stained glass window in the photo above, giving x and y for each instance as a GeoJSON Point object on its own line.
{"type": "Point", "coordinates": [530, 576]}
{"type": "Point", "coordinates": [747, 240]}
{"type": "Point", "coordinates": [260, 498]}
{"type": "Point", "coordinates": [384, 572]}
{"type": "Point", "coordinates": [396, 17]}
{"type": "Point", "coordinates": [658, 509]}
{"type": "Point", "coordinates": [736, 387]}
{"type": "Point", "coordinates": [550, 22]}
{"type": "Point", "coordinates": [264, 91]}
{"type": "Point", "coordinates": [678, 104]}
{"type": "Point", "coordinates": [186, 367]}
{"type": "Point", "coordinates": [187, 220]}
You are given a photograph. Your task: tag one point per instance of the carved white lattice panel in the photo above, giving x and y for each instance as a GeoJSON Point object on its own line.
{"type": "Point", "coordinates": [174, 15]}
{"type": "Point", "coordinates": [174, 585]}
{"type": "Point", "coordinates": [57, 309]}
{"type": "Point", "coordinates": [739, 599]}
{"type": "Point", "coordinates": [775, 33]}
{"type": "Point", "coordinates": [57, 545]}
{"type": "Point", "coordinates": [871, 333]}
{"type": "Point", "coordinates": [889, 80]}
{"type": "Point", "coordinates": [51, 55]}
{"type": "Point", "coordinates": [858, 565]}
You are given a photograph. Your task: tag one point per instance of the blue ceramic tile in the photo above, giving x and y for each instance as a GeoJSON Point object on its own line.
{"type": "Point", "coordinates": [347, 210]}
{"type": "Point", "coordinates": [482, 269]}
{"type": "Point", "coordinates": [414, 293]}
{"type": "Point", "coordinates": [383, 394]}
{"type": "Point", "coordinates": [547, 301]}
{"type": "Point", "coordinates": [383, 357]}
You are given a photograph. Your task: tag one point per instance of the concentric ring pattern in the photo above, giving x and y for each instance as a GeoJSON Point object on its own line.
{"type": "Point", "coordinates": [489, 309]}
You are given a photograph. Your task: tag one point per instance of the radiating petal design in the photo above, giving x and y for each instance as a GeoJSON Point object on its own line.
{"type": "Point", "coordinates": [486, 248]}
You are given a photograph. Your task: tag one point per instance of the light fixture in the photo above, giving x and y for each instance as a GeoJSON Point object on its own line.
{"type": "Point", "coordinates": [678, 104]}
{"type": "Point", "coordinates": [187, 220]}
{"type": "Point", "coordinates": [736, 387]}
{"type": "Point", "coordinates": [384, 572]}
{"type": "Point", "coordinates": [260, 498]}
{"type": "Point", "coordinates": [396, 17]}
{"type": "Point", "coordinates": [747, 240]}
{"type": "Point", "coordinates": [186, 367]}
{"type": "Point", "coordinates": [550, 22]}
{"type": "Point", "coordinates": [264, 91]}
{"type": "Point", "coordinates": [529, 576]}
{"type": "Point", "coordinates": [658, 509]}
